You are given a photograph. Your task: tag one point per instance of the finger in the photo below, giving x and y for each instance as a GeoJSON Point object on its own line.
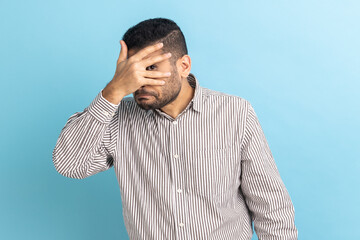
{"type": "Point", "coordinates": [155, 59]}
{"type": "Point", "coordinates": [123, 52]}
{"type": "Point", "coordinates": [145, 51]}
{"type": "Point", "coordinates": [150, 81]}
{"type": "Point", "coordinates": [155, 74]}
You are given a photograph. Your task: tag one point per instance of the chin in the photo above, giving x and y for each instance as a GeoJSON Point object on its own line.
{"type": "Point", "coordinates": [144, 105]}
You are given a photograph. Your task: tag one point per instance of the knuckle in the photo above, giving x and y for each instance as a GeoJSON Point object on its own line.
{"type": "Point", "coordinates": [145, 52]}
{"type": "Point", "coordinates": [135, 65]}
{"type": "Point", "coordinates": [129, 60]}
{"type": "Point", "coordinates": [151, 47]}
{"type": "Point", "coordinates": [135, 74]}
{"type": "Point", "coordinates": [138, 74]}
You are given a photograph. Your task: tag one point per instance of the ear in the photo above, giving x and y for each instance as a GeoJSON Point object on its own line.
{"type": "Point", "coordinates": [184, 66]}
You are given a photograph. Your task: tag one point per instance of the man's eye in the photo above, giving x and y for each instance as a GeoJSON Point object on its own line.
{"type": "Point", "coordinates": [151, 67]}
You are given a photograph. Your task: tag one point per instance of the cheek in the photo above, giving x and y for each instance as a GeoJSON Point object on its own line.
{"type": "Point", "coordinates": [165, 89]}
{"type": "Point", "coordinates": [158, 90]}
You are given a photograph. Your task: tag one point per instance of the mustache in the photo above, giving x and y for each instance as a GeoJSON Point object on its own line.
{"type": "Point", "coordinates": [141, 91]}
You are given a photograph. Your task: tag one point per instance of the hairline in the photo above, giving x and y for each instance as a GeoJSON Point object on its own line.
{"type": "Point", "coordinates": [163, 39]}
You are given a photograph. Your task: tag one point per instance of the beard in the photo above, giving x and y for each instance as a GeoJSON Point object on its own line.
{"type": "Point", "coordinates": [170, 92]}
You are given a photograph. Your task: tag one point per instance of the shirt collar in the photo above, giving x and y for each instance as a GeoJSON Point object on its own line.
{"type": "Point", "coordinates": [198, 95]}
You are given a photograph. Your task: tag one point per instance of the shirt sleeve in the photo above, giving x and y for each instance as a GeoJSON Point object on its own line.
{"type": "Point", "coordinates": [265, 194]}
{"type": "Point", "coordinates": [87, 141]}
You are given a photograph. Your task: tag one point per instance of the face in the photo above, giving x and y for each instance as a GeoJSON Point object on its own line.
{"type": "Point", "coordinates": [158, 96]}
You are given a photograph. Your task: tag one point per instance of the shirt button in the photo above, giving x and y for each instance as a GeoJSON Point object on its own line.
{"type": "Point", "coordinates": [105, 113]}
{"type": "Point", "coordinates": [175, 122]}
{"type": "Point", "coordinates": [179, 190]}
{"type": "Point", "coordinates": [176, 156]}
{"type": "Point", "coordinates": [181, 224]}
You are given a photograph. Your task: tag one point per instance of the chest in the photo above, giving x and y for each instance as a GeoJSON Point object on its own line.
{"type": "Point", "coordinates": [197, 153]}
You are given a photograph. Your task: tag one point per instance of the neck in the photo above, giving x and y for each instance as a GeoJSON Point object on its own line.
{"type": "Point", "coordinates": [174, 108]}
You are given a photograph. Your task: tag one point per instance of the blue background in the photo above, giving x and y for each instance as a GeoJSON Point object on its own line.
{"type": "Point", "coordinates": [297, 62]}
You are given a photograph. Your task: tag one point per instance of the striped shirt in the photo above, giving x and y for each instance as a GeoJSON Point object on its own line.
{"type": "Point", "coordinates": [207, 174]}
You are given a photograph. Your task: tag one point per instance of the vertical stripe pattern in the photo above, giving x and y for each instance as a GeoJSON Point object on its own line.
{"type": "Point", "coordinates": [208, 174]}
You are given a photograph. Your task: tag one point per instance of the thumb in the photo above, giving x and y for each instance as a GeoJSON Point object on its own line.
{"type": "Point", "coordinates": [123, 52]}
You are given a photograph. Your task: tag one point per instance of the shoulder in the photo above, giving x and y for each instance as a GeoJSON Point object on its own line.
{"type": "Point", "coordinates": [225, 99]}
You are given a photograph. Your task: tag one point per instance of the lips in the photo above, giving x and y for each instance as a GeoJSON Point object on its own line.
{"type": "Point", "coordinates": [143, 95]}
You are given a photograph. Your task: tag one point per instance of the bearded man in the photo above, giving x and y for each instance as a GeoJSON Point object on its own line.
{"type": "Point", "coordinates": [191, 163]}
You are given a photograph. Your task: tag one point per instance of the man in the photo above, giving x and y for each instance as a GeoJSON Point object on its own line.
{"type": "Point", "coordinates": [192, 163]}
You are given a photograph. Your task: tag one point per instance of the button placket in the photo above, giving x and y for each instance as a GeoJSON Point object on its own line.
{"type": "Point", "coordinates": [180, 203]}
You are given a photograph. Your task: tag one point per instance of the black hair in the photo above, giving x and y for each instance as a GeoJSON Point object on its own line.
{"type": "Point", "coordinates": [154, 30]}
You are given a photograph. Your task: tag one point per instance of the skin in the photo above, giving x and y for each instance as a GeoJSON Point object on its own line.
{"type": "Point", "coordinates": [142, 72]}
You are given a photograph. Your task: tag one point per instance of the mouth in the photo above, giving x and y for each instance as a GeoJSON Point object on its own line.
{"type": "Point", "coordinates": [143, 96]}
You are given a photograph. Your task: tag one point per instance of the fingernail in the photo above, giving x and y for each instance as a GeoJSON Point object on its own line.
{"type": "Point", "coordinates": [168, 74]}
{"type": "Point", "coordinates": [168, 54]}
{"type": "Point", "coordinates": [160, 44]}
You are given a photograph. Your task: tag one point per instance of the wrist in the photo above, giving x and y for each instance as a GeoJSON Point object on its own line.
{"type": "Point", "coordinates": [112, 96]}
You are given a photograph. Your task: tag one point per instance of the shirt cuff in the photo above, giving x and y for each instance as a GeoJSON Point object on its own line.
{"type": "Point", "coordinates": [102, 109]}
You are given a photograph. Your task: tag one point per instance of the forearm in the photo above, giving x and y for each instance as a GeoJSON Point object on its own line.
{"type": "Point", "coordinates": [80, 149]}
